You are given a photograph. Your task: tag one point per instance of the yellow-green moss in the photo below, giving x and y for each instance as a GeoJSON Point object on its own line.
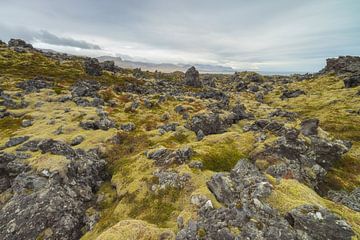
{"type": "Point", "coordinates": [289, 194]}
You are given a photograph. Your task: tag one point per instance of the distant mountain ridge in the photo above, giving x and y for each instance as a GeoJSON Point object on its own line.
{"type": "Point", "coordinates": [166, 67]}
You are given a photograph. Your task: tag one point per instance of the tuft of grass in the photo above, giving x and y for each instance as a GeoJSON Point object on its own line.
{"type": "Point", "coordinates": [8, 126]}
{"type": "Point", "coordinates": [221, 158]}
{"type": "Point", "coordinates": [155, 208]}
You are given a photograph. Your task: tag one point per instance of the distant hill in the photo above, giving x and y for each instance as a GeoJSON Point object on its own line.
{"type": "Point", "coordinates": [166, 67]}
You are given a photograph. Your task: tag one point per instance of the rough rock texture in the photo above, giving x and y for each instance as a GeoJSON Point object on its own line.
{"type": "Point", "coordinates": [19, 43]}
{"type": "Point", "coordinates": [50, 202]}
{"type": "Point", "coordinates": [352, 81]}
{"type": "Point", "coordinates": [92, 67]}
{"type": "Point", "coordinates": [319, 223]}
{"type": "Point", "coordinates": [192, 78]}
{"type": "Point", "coordinates": [343, 64]}
{"type": "Point", "coordinates": [243, 191]}
{"type": "Point", "coordinates": [34, 85]}
{"type": "Point", "coordinates": [309, 127]}
{"type": "Point", "coordinates": [166, 157]}
{"type": "Point", "coordinates": [351, 200]}
{"type": "Point", "coordinates": [208, 123]}
{"type": "Point", "coordinates": [85, 88]}
{"type": "Point", "coordinates": [291, 93]}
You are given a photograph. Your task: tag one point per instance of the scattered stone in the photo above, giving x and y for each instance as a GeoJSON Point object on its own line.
{"type": "Point", "coordinates": [309, 127]}
{"type": "Point", "coordinates": [16, 141]}
{"type": "Point", "coordinates": [85, 88]}
{"type": "Point", "coordinates": [77, 140]}
{"type": "Point", "coordinates": [210, 123]}
{"type": "Point", "coordinates": [56, 148]}
{"type": "Point", "coordinates": [169, 179]}
{"type": "Point", "coordinates": [200, 135]}
{"type": "Point", "coordinates": [128, 127]}
{"type": "Point", "coordinates": [166, 157]}
{"type": "Point", "coordinates": [291, 94]}
{"type": "Point", "coordinates": [34, 85]}
{"type": "Point", "coordinates": [26, 123]}
{"type": "Point", "coordinates": [108, 66]}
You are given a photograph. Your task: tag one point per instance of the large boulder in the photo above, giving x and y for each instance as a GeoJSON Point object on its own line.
{"type": "Point", "coordinates": [18, 43]}
{"type": "Point", "coordinates": [352, 81]}
{"type": "Point", "coordinates": [85, 88]}
{"type": "Point", "coordinates": [192, 77]}
{"type": "Point", "coordinates": [319, 223]}
{"type": "Point", "coordinates": [343, 64]}
{"type": "Point", "coordinates": [208, 123]}
{"type": "Point", "coordinates": [291, 93]}
{"type": "Point", "coordinates": [92, 67]}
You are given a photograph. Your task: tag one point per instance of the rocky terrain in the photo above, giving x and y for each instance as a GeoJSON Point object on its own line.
{"type": "Point", "coordinates": [89, 150]}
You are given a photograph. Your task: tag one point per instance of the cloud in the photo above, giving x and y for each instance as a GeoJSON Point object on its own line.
{"type": "Point", "coordinates": [270, 35]}
{"type": "Point", "coordinates": [49, 38]}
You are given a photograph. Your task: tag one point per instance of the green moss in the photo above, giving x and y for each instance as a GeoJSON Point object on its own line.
{"type": "Point", "coordinates": [155, 208]}
{"type": "Point", "coordinates": [290, 194]}
{"type": "Point", "coordinates": [8, 126]}
{"type": "Point", "coordinates": [222, 157]}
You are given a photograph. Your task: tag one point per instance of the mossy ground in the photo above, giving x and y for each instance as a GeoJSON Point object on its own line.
{"type": "Point", "coordinates": [128, 207]}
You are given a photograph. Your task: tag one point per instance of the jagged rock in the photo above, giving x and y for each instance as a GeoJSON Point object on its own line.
{"type": "Point", "coordinates": [77, 140]}
{"type": "Point", "coordinates": [165, 157]}
{"type": "Point", "coordinates": [351, 200]}
{"type": "Point", "coordinates": [85, 88]}
{"type": "Point", "coordinates": [29, 146]}
{"type": "Point", "coordinates": [259, 96]}
{"type": "Point", "coordinates": [242, 191]}
{"type": "Point", "coordinates": [239, 112]}
{"type": "Point", "coordinates": [264, 124]}
{"type": "Point", "coordinates": [309, 127]}
{"type": "Point", "coordinates": [104, 123]}
{"type": "Point", "coordinates": [319, 223]}
{"type": "Point", "coordinates": [196, 164]}
{"type": "Point", "coordinates": [34, 85]}
{"type": "Point", "coordinates": [200, 135]}
{"type": "Point", "coordinates": [210, 123]}
{"type": "Point", "coordinates": [192, 78]}
{"type": "Point", "coordinates": [41, 202]}
{"type": "Point", "coordinates": [18, 43]}
{"type": "Point", "coordinates": [56, 148]}
{"type": "Point", "coordinates": [128, 127]}
{"type": "Point", "coordinates": [291, 93]}
{"type": "Point", "coordinates": [342, 64]}
{"type": "Point", "coordinates": [169, 179]}
{"type": "Point", "coordinates": [131, 106]}
{"type": "Point", "coordinates": [108, 66]}
{"type": "Point", "coordinates": [283, 113]}
{"type": "Point", "coordinates": [352, 81]}
{"type": "Point", "coordinates": [16, 141]}
{"type": "Point", "coordinates": [169, 127]}
{"type": "Point", "coordinates": [92, 67]}
{"type": "Point", "coordinates": [306, 162]}
{"type": "Point", "coordinates": [209, 81]}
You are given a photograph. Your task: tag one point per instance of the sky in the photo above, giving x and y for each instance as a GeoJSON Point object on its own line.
{"type": "Point", "coordinates": [262, 35]}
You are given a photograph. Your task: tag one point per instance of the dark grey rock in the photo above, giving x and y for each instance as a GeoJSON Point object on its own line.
{"type": "Point", "coordinates": [351, 199]}
{"type": "Point", "coordinates": [128, 127]}
{"type": "Point", "coordinates": [291, 93]}
{"type": "Point", "coordinates": [16, 141]}
{"type": "Point", "coordinates": [352, 81]}
{"type": "Point", "coordinates": [34, 85]}
{"type": "Point", "coordinates": [192, 78]}
{"type": "Point", "coordinates": [85, 88]}
{"type": "Point", "coordinates": [92, 67]}
{"type": "Point", "coordinates": [18, 43]}
{"type": "Point", "coordinates": [77, 140]}
{"type": "Point", "coordinates": [166, 157]}
{"type": "Point", "coordinates": [309, 127]}
{"type": "Point", "coordinates": [319, 223]}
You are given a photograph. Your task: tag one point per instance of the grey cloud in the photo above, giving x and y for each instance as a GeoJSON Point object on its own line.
{"type": "Point", "coordinates": [230, 31]}
{"type": "Point", "coordinates": [47, 37]}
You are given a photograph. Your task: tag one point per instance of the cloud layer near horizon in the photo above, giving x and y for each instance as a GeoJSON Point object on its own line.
{"type": "Point", "coordinates": [277, 35]}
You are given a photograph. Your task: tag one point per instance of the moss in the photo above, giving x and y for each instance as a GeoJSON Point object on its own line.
{"type": "Point", "coordinates": [222, 158]}
{"type": "Point", "coordinates": [8, 126]}
{"type": "Point", "coordinates": [289, 194]}
{"type": "Point", "coordinates": [155, 208]}
{"type": "Point", "coordinates": [201, 233]}
{"type": "Point", "coordinates": [135, 229]}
